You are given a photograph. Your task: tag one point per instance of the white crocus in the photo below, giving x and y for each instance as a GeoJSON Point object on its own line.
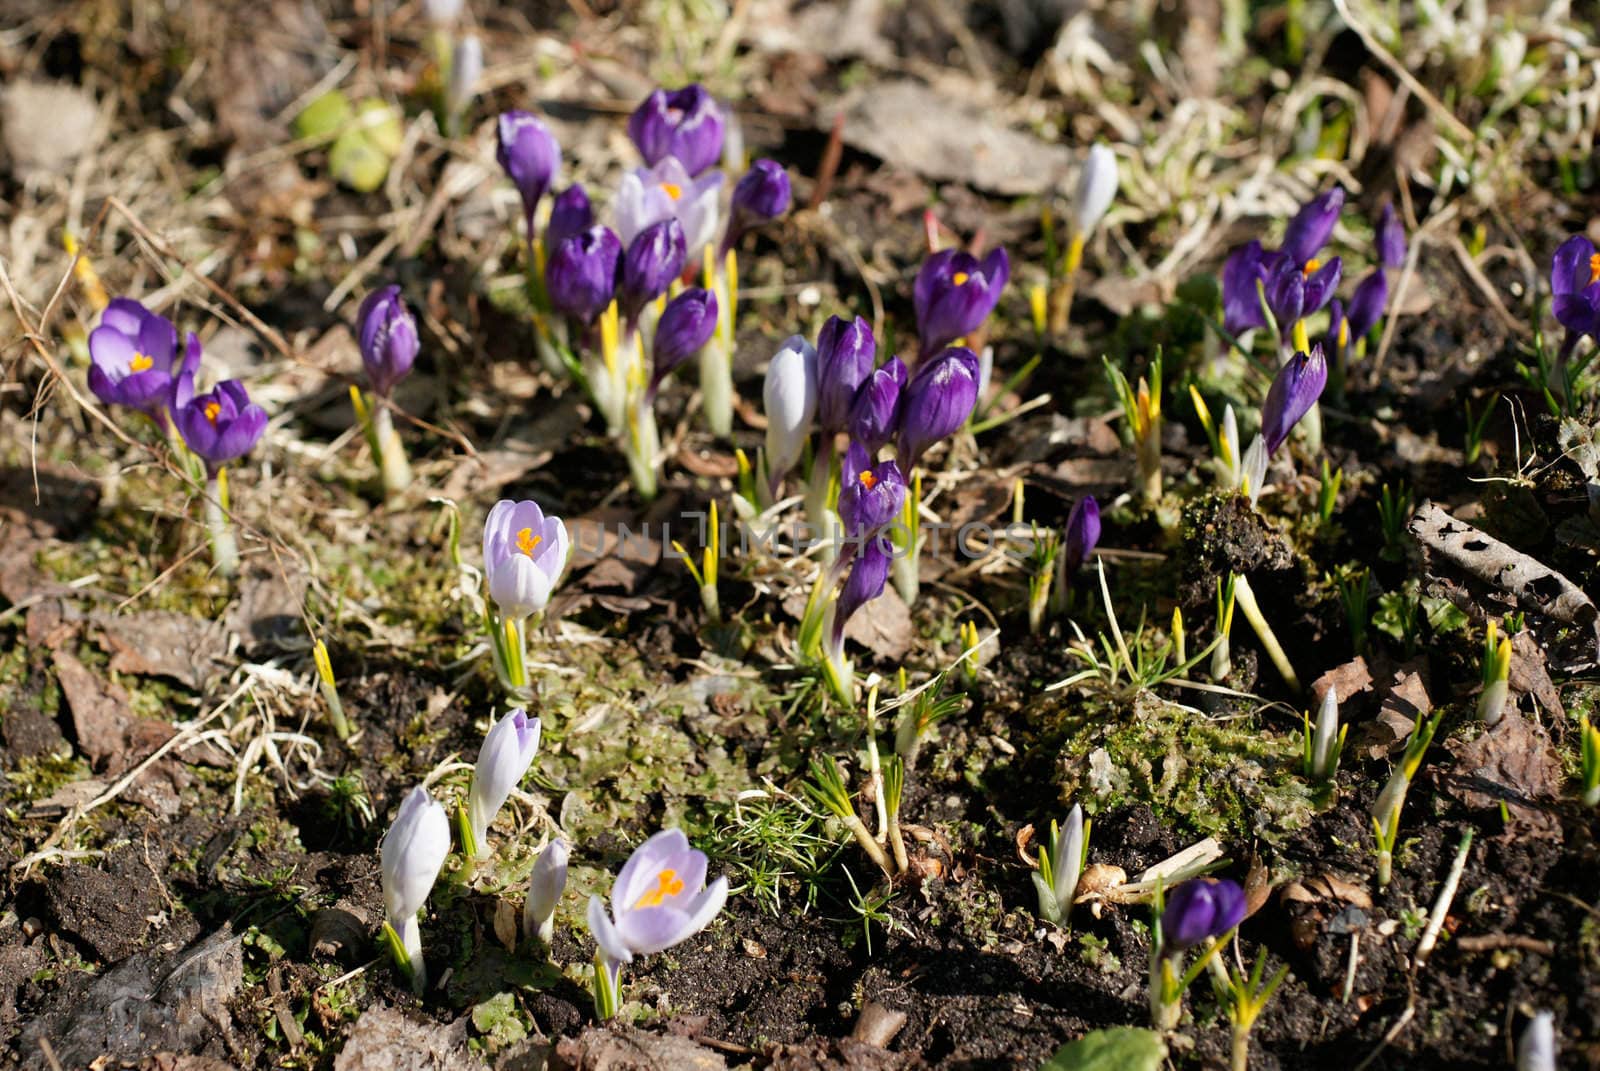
{"type": "Point", "coordinates": [413, 851]}
{"type": "Point", "coordinates": [1536, 1048]}
{"type": "Point", "coordinates": [1060, 866]}
{"type": "Point", "coordinates": [508, 750]}
{"type": "Point", "coordinates": [791, 405]}
{"type": "Point", "coordinates": [1097, 188]}
{"type": "Point", "coordinates": [545, 886]}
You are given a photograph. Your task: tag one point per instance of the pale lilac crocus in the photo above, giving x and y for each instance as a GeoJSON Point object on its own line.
{"type": "Point", "coordinates": [524, 553]}
{"type": "Point", "coordinates": [508, 751]}
{"type": "Point", "coordinates": [666, 191]}
{"type": "Point", "coordinates": [545, 885]}
{"type": "Point", "coordinates": [413, 851]}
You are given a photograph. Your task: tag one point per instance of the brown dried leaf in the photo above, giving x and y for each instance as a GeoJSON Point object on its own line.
{"type": "Point", "coordinates": [163, 643]}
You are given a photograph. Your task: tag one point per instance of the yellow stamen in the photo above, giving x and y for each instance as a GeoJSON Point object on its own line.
{"type": "Point", "coordinates": [667, 884]}
{"type": "Point", "coordinates": [1312, 265]}
{"type": "Point", "coordinates": [868, 480]}
{"type": "Point", "coordinates": [959, 278]}
{"type": "Point", "coordinates": [527, 542]}
{"type": "Point", "coordinates": [672, 190]}
{"type": "Point", "coordinates": [140, 363]}
{"type": "Point", "coordinates": [1594, 269]}
{"type": "Point", "coordinates": [212, 411]}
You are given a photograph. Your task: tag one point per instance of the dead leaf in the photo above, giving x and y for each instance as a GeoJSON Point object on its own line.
{"type": "Point", "coordinates": [1511, 763]}
{"type": "Point", "coordinates": [882, 626]}
{"type": "Point", "coordinates": [1348, 681]}
{"type": "Point", "coordinates": [99, 713]}
{"type": "Point", "coordinates": [162, 643]}
{"type": "Point", "coordinates": [385, 1039]}
{"type": "Point", "coordinates": [1529, 674]}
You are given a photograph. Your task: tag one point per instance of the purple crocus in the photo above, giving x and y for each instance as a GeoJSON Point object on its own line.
{"type": "Point", "coordinates": [1367, 303]}
{"type": "Point", "coordinates": [954, 293]}
{"type": "Point", "coordinates": [524, 553]}
{"type": "Point", "coordinates": [1082, 533]}
{"type": "Point", "coordinates": [581, 275]}
{"type": "Point", "coordinates": [1198, 909]}
{"type": "Point", "coordinates": [570, 215]}
{"type": "Point", "coordinates": [1312, 226]}
{"type": "Point", "coordinates": [132, 358]}
{"type": "Point", "coordinates": [870, 495]}
{"type": "Point", "coordinates": [660, 899]}
{"type": "Point", "coordinates": [1295, 290]}
{"type": "Point", "coordinates": [530, 155]}
{"type": "Point", "coordinates": [938, 399]}
{"type": "Point", "coordinates": [1391, 238]}
{"type": "Point", "coordinates": [1575, 284]}
{"type": "Point", "coordinates": [388, 336]}
{"type": "Point", "coordinates": [508, 750]}
{"type": "Point", "coordinates": [1297, 284]}
{"type": "Point", "coordinates": [761, 195]}
{"type": "Point", "coordinates": [685, 124]}
{"type": "Point", "coordinates": [653, 260]}
{"type": "Point", "coordinates": [1294, 391]}
{"type": "Point", "coordinates": [686, 325]}
{"type": "Point", "coordinates": [875, 412]}
{"type": "Point", "coordinates": [221, 426]}
{"type": "Point", "coordinates": [846, 352]}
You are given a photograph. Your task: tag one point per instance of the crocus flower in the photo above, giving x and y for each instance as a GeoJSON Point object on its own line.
{"type": "Point", "coordinates": [761, 195]}
{"type": "Point", "coordinates": [388, 336]}
{"type": "Point", "coordinates": [1536, 1048]}
{"type": "Point", "coordinates": [954, 293]}
{"type": "Point", "coordinates": [1312, 226]}
{"type": "Point", "coordinates": [666, 191]}
{"type": "Point", "coordinates": [221, 426]}
{"type": "Point", "coordinates": [875, 412]}
{"type": "Point", "coordinates": [581, 275]}
{"type": "Point", "coordinates": [1241, 305]}
{"type": "Point", "coordinates": [684, 124]}
{"type": "Point", "coordinates": [133, 358]}
{"type": "Point", "coordinates": [1575, 284]}
{"type": "Point", "coordinates": [1295, 291]}
{"type": "Point", "coordinates": [524, 553]}
{"type": "Point", "coordinates": [1198, 909]}
{"type": "Point", "coordinates": [653, 260]}
{"type": "Point", "coordinates": [870, 496]}
{"type": "Point", "coordinates": [1097, 187]}
{"type": "Point", "coordinates": [1391, 238]}
{"type": "Point", "coordinates": [1367, 303]}
{"type": "Point", "coordinates": [570, 215]}
{"type": "Point", "coordinates": [686, 325]}
{"type": "Point", "coordinates": [545, 885]}
{"type": "Point", "coordinates": [1294, 391]}
{"type": "Point", "coordinates": [846, 352]}
{"type": "Point", "coordinates": [1082, 533]}
{"type": "Point", "coordinates": [937, 400]}
{"type": "Point", "coordinates": [507, 752]}
{"type": "Point", "coordinates": [1296, 282]}
{"type": "Point", "coordinates": [413, 851]}
{"type": "Point", "coordinates": [790, 397]}
{"type": "Point", "coordinates": [660, 899]}
{"type": "Point", "coordinates": [530, 156]}
{"type": "Point", "coordinates": [868, 574]}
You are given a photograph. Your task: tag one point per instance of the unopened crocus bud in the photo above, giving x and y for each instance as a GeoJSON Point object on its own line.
{"type": "Point", "coordinates": [1294, 391]}
{"type": "Point", "coordinates": [1536, 1048]}
{"type": "Point", "coordinates": [1575, 286]}
{"type": "Point", "coordinates": [1198, 909]}
{"type": "Point", "coordinates": [413, 851]}
{"type": "Point", "coordinates": [524, 553]}
{"type": "Point", "coordinates": [570, 215]}
{"type": "Point", "coordinates": [388, 336]}
{"type": "Point", "coordinates": [530, 156]}
{"type": "Point", "coordinates": [1312, 226]}
{"type": "Point", "coordinates": [954, 293]}
{"type": "Point", "coordinates": [133, 358]}
{"type": "Point", "coordinates": [221, 426]}
{"type": "Point", "coordinates": [1097, 188]}
{"type": "Point", "coordinates": [938, 399]}
{"type": "Point", "coordinates": [869, 572]}
{"type": "Point", "coordinates": [466, 67]}
{"type": "Point", "coordinates": [652, 262]}
{"type": "Point", "coordinates": [790, 398]}
{"type": "Point", "coordinates": [686, 325]}
{"type": "Point", "coordinates": [1367, 304]}
{"type": "Point", "coordinates": [870, 495]}
{"type": "Point", "coordinates": [1082, 533]}
{"type": "Point", "coordinates": [761, 195]}
{"type": "Point", "coordinates": [846, 352]}
{"type": "Point", "coordinates": [1391, 238]}
{"type": "Point", "coordinates": [581, 275]}
{"type": "Point", "coordinates": [1245, 268]}
{"type": "Point", "coordinates": [685, 124]}
{"type": "Point", "coordinates": [545, 885]}
{"type": "Point", "coordinates": [508, 750]}
{"type": "Point", "coordinates": [660, 899]}
{"type": "Point", "coordinates": [875, 412]}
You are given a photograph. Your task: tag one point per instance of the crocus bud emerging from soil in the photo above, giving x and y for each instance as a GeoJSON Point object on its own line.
{"type": "Point", "coordinates": [413, 851]}
{"type": "Point", "coordinates": [870, 496]}
{"type": "Point", "coordinates": [1082, 534]}
{"type": "Point", "coordinates": [685, 326]}
{"type": "Point", "coordinates": [938, 400]}
{"type": "Point", "coordinates": [1536, 1048]}
{"type": "Point", "coordinates": [133, 358]}
{"type": "Point", "coordinates": [761, 195]}
{"type": "Point", "coordinates": [1060, 864]}
{"type": "Point", "coordinates": [653, 260]}
{"type": "Point", "coordinates": [1391, 238]}
{"type": "Point", "coordinates": [221, 426]}
{"type": "Point", "coordinates": [524, 553]}
{"type": "Point", "coordinates": [1575, 284]}
{"type": "Point", "coordinates": [685, 124]}
{"type": "Point", "coordinates": [1198, 909]}
{"type": "Point", "coordinates": [790, 396]}
{"type": "Point", "coordinates": [666, 191]}
{"type": "Point", "coordinates": [875, 412]}
{"type": "Point", "coordinates": [388, 336]}
{"type": "Point", "coordinates": [581, 275]}
{"type": "Point", "coordinates": [1097, 188]}
{"type": "Point", "coordinates": [570, 215]}
{"type": "Point", "coordinates": [545, 886]}
{"type": "Point", "coordinates": [954, 293]}
{"type": "Point", "coordinates": [530, 156]}
{"type": "Point", "coordinates": [1296, 389]}
{"type": "Point", "coordinates": [660, 899]}
{"type": "Point", "coordinates": [1312, 226]}
{"type": "Point", "coordinates": [1367, 303]}
{"type": "Point", "coordinates": [507, 752]}
{"type": "Point", "coordinates": [846, 352]}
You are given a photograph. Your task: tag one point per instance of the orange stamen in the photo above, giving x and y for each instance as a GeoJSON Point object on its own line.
{"type": "Point", "coordinates": [1312, 265]}
{"type": "Point", "coordinates": [960, 278]}
{"type": "Point", "coordinates": [667, 884]}
{"type": "Point", "coordinates": [527, 542]}
{"type": "Point", "coordinates": [1594, 269]}
{"type": "Point", "coordinates": [140, 363]}
{"type": "Point", "coordinates": [672, 190]}
{"type": "Point", "coordinates": [868, 480]}
{"type": "Point", "coordinates": [212, 411]}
